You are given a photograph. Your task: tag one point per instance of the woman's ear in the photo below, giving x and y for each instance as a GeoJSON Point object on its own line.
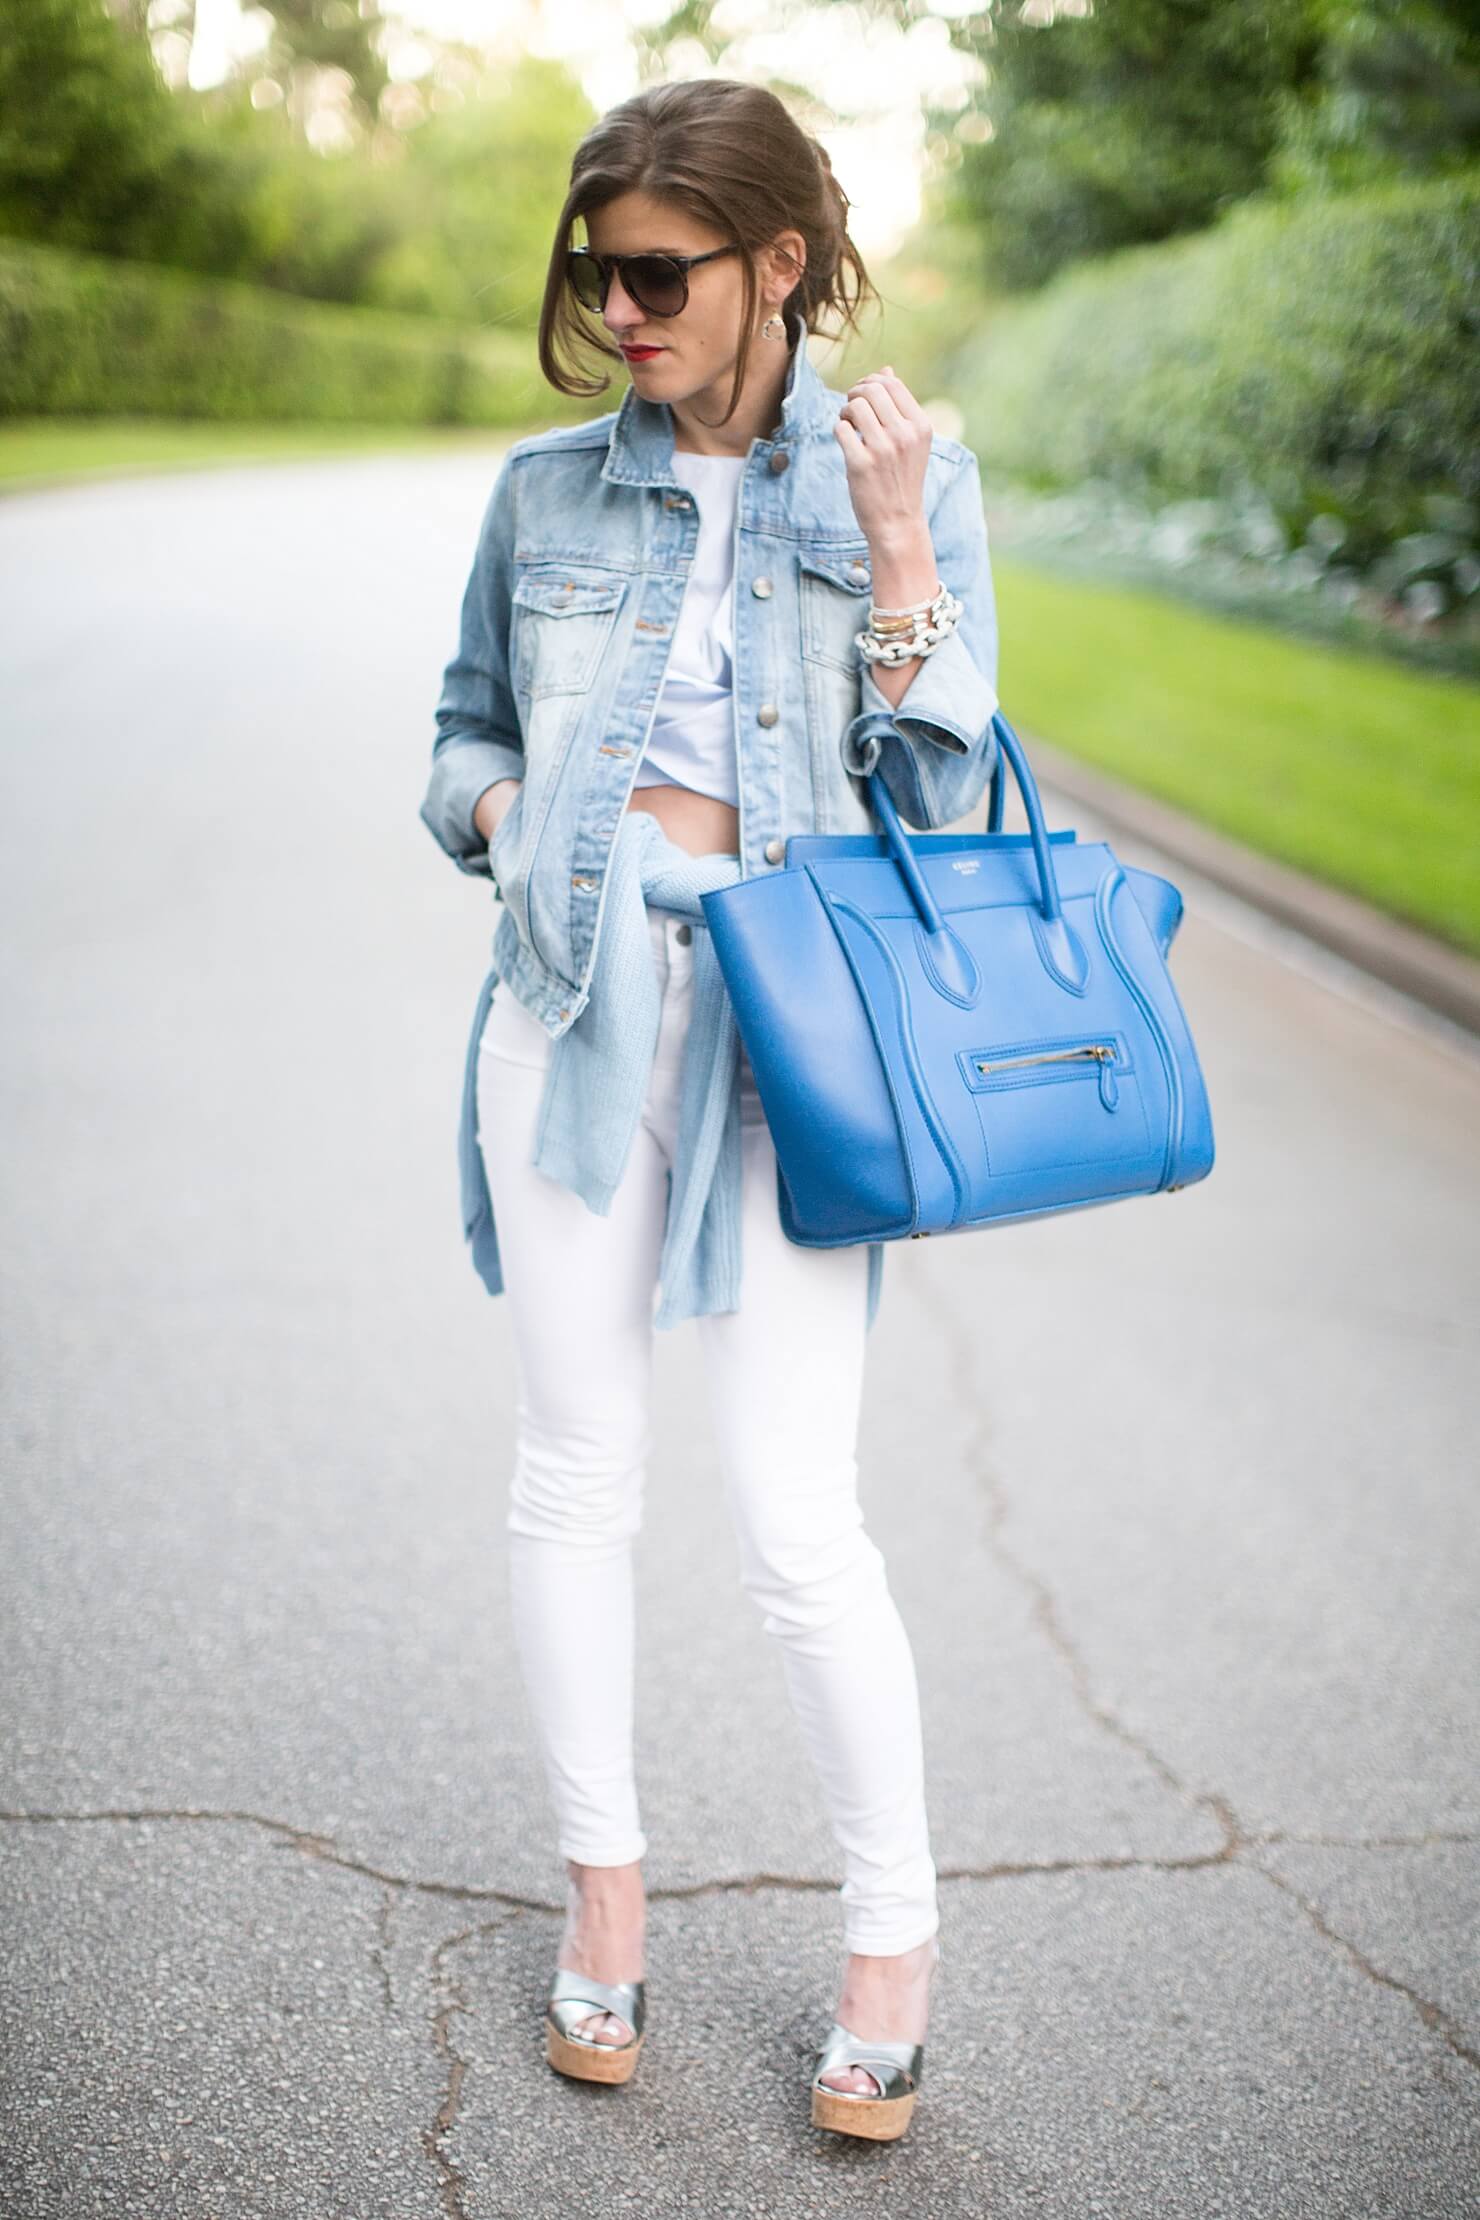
{"type": "Point", "coordinates": [787, 257]}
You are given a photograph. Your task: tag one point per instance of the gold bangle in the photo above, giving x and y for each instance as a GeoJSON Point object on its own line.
{"type": "Point", "coordinates": [910, 607]}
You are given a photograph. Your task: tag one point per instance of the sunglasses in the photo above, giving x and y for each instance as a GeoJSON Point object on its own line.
{"type": "Point", "coordinates": [658, 284]}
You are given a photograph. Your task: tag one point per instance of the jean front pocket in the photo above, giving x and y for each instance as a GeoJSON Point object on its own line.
{"type": "Point", "coordinates": [561, 618]}
{"type": "Point", "coordinates": [834, 587]}
{"type": "Point", "coordinates": [833, 590]}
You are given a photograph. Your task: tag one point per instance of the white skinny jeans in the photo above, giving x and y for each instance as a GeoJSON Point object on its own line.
{"type": "Point", "coordinates": [784, 1375]}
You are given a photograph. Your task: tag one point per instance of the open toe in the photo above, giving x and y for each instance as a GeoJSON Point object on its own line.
{"type": "Point", "coordinates": [895, 2070]}
{"type": "Point", "coordinates": [574, 2000]}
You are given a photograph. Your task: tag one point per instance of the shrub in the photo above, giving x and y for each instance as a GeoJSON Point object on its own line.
{"type": "Point", "coordinates": [1318, 355]}
{"type": "Point", "coordinates": [85, 334]}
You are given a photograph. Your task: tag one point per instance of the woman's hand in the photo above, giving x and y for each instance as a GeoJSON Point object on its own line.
{"type": "Point", "coordinates": [493, 806]}
{"type": "Point", "coordinates": [885, 437]}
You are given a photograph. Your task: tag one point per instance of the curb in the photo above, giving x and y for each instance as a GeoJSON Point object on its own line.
{"type": "Point", "coordinates": [1442, 977]}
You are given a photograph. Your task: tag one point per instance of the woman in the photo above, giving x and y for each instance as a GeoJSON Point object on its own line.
{"type": "Point", "coordinates": [658, 679]}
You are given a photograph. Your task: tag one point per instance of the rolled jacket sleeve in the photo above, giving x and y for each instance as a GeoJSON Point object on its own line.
{"type": "Point", "coordinates": [936, 751]}
{"type": "Point", "coordinates": [478, 739]}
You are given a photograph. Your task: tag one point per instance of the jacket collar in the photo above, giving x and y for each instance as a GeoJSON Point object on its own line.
{"type": "Point", "coordinates": [641, 446]}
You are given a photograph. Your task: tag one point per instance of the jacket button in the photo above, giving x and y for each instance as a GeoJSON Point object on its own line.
{"type": "Point", "coordinates": [780, 460]}
{"type": "Point", "coordinates": [775, 851]}
{"type": "Point", "coordinates": [858, 568]}
{"type": "Point", "coordinates": [767, 713]}
{"type": "Point", "coordinates": [683, 935]}
{"type": "Point", "coordinates": [761, 588]}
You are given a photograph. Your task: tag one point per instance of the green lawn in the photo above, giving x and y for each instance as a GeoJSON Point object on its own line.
{"type": "Point", "coordinates": [1350, 767]}
{"type": "Point", "coordinates": [46, 450]}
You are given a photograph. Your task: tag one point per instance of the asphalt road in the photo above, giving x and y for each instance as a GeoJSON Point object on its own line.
{"type": "Point", "coordinates": [1178, 1500]}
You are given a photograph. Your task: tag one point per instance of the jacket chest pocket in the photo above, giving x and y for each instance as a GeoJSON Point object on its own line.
{"type": "Point", "coordinates": [561, 619]}
{"type": "Point", "coordinates": [834, 587]}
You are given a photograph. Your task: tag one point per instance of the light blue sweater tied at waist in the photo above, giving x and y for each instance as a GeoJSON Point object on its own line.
{"type": "Point", "coordinates": [597, 1080]}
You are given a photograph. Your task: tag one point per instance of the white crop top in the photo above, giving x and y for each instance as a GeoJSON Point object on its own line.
{"type": "Point", "coordinates": [692, 742]}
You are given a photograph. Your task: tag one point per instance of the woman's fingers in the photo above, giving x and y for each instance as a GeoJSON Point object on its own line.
{"type": "Point", "coordinates": [862, 412]}
{"type": "Point", "coordinates": [881, 394]}
{"type": "Point", "coordinates": [889, 383]}
{"type": "Point", "coordinates": [882, 402]}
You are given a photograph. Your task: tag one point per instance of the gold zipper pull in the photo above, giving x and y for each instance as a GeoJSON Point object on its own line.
{"type": "Point", "coordinates": [1102, 1053]}
{"type": "Point", "coordinates": [1102, 1049]}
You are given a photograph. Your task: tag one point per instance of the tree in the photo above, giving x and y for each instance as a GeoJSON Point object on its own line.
{"type": "Point", "coordinates": [1127, 123]}
{"type": "Point", "coordinates": [317, 39]}
{"type": "Point", "coordinates": [86, 125]}
{"type": "Point", "coordinates": [1397, 94]}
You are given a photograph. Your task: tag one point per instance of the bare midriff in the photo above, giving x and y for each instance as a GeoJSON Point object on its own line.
{"type": "Point", "coordinates": [699, 822]}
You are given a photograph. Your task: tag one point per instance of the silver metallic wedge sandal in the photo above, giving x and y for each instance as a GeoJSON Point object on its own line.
{"type": "Point", "coordinates": [896, 2067]}
{"type": "Point", "coordinates": [574, 1997]}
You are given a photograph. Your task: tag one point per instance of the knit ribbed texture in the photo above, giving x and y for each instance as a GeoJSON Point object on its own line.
{"type": "Point", "coordinates": [598, 1077]}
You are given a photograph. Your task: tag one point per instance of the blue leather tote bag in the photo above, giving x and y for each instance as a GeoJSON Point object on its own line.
{"type": "Point", "coordinates": [951, 1030]}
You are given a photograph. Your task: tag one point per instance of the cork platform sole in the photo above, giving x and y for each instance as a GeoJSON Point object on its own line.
{"type": "Point", "coordinates": [880, 2119]}
{"type": "Point", "coordinates": [574, 1997]}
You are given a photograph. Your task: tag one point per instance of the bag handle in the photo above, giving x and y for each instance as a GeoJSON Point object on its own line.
{"type": "Point", "coordinates": [1061, 949]}
{"type": "Point", "coordinates": [1010, 752]}
{"type": "Point", "coordinates": [997, 791]}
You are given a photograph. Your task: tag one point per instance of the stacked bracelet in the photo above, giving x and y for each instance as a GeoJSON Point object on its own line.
{"type": "Point", "coordinates": [897, 635]}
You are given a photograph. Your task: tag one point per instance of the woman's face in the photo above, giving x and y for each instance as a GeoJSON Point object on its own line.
{"type": "Point", "coordinates": [696, 349]}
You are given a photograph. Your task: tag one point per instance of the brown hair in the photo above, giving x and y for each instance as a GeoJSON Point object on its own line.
{"type": "Point", "coordinates": [733, 156]}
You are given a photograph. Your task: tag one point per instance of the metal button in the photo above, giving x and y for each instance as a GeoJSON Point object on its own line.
{"type": "Point", "coordinates": [761, 588]}
{"type": "Point", "coordinates": [767, 713]}
{"type": "Point", "coordinates": [780, 460]}
{"type": "Point", "coordinates": [858, 567]}
{"type": "Point", "coordinates": [775, 851]}
{"type": "Point", "coordinates": [683, 934]}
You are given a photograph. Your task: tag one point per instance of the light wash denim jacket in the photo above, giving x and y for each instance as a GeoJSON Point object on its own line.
{"type": "Point", "coordinates": [567, 622]}
{"type": "Point", "coordinates": [573, 598]}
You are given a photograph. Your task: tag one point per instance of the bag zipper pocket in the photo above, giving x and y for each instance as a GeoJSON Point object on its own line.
{"type": "Point", "coordinates": [1014, 1065]}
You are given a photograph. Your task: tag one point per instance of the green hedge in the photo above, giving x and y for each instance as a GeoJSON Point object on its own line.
{"type": "Point", "coordinates": [1320, 352]}
{"type": "Point", "coordinates": [87, 335]}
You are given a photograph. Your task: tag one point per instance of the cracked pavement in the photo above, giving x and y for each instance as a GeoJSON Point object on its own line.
{"type": "Point", "coordinates": [1176, 1495]}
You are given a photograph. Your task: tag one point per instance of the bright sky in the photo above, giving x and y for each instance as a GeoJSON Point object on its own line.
{"type": "Point", "coordinates": [872, 76]}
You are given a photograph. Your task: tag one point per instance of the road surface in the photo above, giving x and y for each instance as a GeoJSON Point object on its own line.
{"type": "Point", "coordinates": [1178, 1500]}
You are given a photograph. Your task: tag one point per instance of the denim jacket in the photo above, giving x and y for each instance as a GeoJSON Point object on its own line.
{"type": "Point", "coordinates": [567, 621]}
